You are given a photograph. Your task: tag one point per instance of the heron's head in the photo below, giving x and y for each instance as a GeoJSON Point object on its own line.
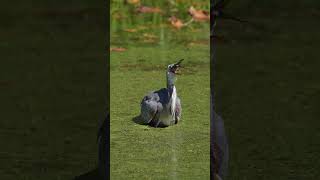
{"type": "Point", "coordinates": [174, 68]}
{"type": "Point", "coordinates": [172, 71]}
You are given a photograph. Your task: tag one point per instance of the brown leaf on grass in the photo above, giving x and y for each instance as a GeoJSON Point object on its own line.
{"type": "Point", "coordinates": [199, 15]}
{"type": "Point", "coordinates": [133, 2]}
{"type": "Point", "coordinates": [146, 9]}
{"type": "Point", "coordinates": [117, 49]}
{"type": "Point", "coordinates": [175, 22]}
{"type": "Point", "coordinates": [130, 30]}
{"type": "Point", "coordinates": [199, 42]}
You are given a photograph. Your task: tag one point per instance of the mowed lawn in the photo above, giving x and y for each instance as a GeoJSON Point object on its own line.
{"type": "Point", "coordinates": [143, 152]}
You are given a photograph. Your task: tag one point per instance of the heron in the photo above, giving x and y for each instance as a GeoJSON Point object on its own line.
{"type": "Point", "coordinates": [162, 108]}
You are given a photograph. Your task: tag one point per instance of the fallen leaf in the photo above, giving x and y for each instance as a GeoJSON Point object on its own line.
{"type": "Point", "coordinates": [134, 2]}
{"type": "Point", "coordinates": [146, 9]}
{"type": "Point", "coordinates": [130, 30]}
{"type": "Point", "coordinates": [199, 42]}
{"type": "Point", "coordinates": [199, 15]}
{"type": "Point", "coordinates": [175, 22]}
{"type": "Point", "coordinates": [117, 49]}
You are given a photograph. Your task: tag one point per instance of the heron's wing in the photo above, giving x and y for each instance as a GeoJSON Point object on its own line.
{"type": "Point", "coordinates": [153, 104]}
{"type": "Point", "coordinates": [148, 110]}
{"type": "Point", "coordinates": [162, 96]}
{"type": "Point", "coordinates": [150, 105]}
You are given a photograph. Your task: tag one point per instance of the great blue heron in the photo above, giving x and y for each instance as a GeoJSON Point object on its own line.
{"type": "Point", "coordinates": [163, 108]}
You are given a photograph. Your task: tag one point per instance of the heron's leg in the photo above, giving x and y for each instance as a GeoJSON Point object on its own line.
{"type": "Point", "coordinates": [177, 119]}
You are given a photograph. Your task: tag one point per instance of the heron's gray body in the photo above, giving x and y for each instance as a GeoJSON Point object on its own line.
{"type": "Point", "coordinates": [162, 107]}
{"type": "Point", "coordinates": [156, 108]}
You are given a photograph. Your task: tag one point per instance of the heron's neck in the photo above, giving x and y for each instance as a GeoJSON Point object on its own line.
{"type": "Point", "coordinates": [172, 93]}
{"type": "Point", "coordinates": [170, 81]}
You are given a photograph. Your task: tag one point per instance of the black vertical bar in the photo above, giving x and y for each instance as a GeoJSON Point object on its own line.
{"type": "Point", "coordinates": [104, 130]}
{"type": "Point", "coordinates": [212, 62]}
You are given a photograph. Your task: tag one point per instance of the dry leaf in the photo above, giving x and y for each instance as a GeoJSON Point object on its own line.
{"type": "Point", "coordinates": [146, 9]}
{"type": "Point", "coordinates": [199, 15]}
{"type": "Point", "coordinates": [199, 42]}
{"type": "Point", "coordinates": [175, 22]}
{"type": "Point", "coordinates": [130, 30]}
{"type": "Point", "coordinates": [133, 2]}
{"type": "Point", "coordinates": [117, 49]}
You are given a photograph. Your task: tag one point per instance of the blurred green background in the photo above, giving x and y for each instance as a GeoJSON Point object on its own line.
{"type": "Point", "coordinates": [267, 89]}
{"type": "Point", "coordinates": [53, 87]}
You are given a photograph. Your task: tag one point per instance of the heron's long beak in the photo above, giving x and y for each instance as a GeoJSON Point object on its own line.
{"type": "Point", "coordinates": [178, 63]}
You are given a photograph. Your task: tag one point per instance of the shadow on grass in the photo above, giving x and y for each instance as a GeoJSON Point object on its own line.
{"type": "Point", "coordinates": [91, 175]}
{"type": "Point", "coordinates": [138, 120]}
{"type": "Point", "coordinates": [154, 124]}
